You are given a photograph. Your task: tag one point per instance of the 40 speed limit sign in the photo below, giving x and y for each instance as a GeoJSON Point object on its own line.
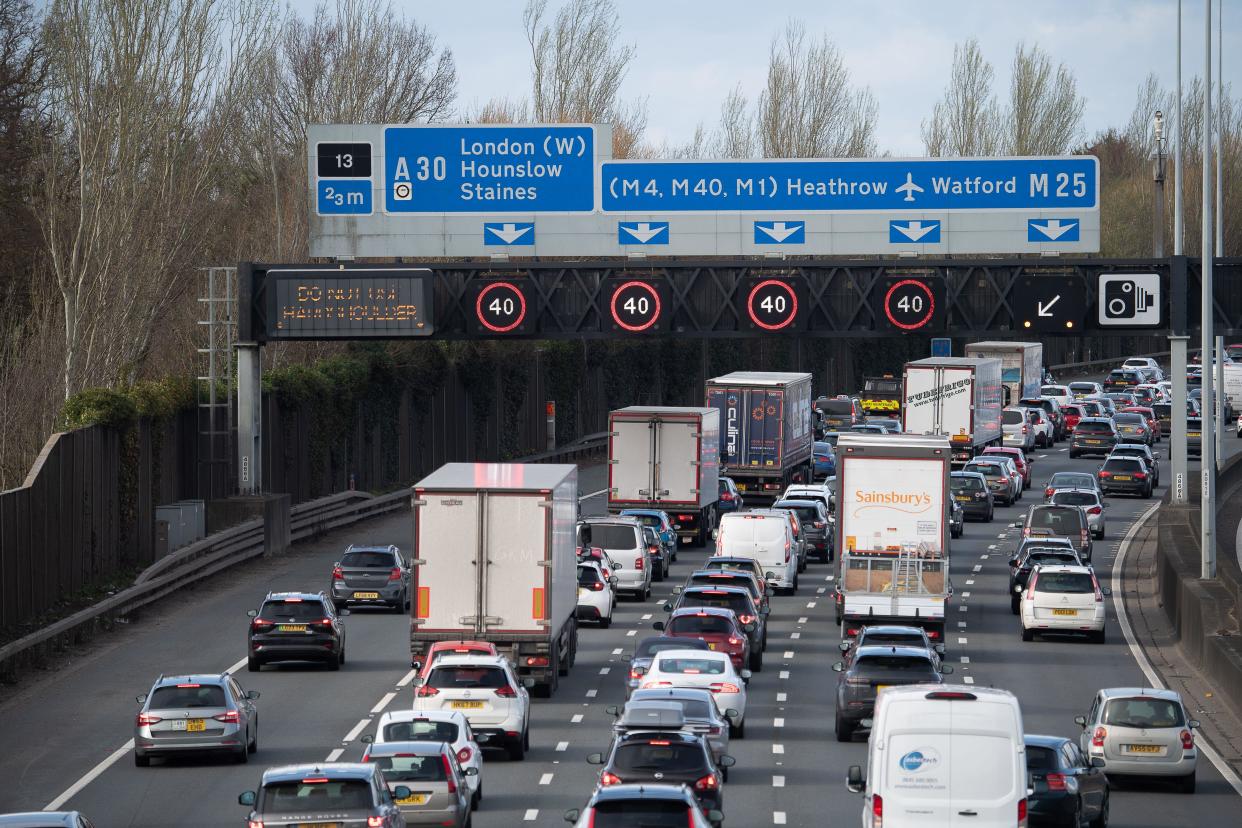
{"type": "Point", "coordinates": [634, 305]}
{"type": "Point", "coordinates": [770, 304]}
{"type": "Point", "coordinates": [500, 306]}
{"type": "Point", "coordinates": [909, 303]}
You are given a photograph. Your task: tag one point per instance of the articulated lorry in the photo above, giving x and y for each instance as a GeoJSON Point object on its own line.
{"type": "Point", "coordinates": [957, 397]}
{"type": "Point", "coordinates": [1022, 367]}
{"type": "Point", "coordinates": [494, 560]}
{"type": "Point", "coordinates": [893, 532]}
{"type": "Point", "coordinates": [765, 430]}
{"type": "Point", "coordinates": [666, 458]}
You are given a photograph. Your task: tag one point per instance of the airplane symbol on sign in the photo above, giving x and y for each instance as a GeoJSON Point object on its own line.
{"type": "Point", "coordinates": [909, 188]}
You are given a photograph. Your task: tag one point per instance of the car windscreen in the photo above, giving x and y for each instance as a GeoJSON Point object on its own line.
{"type": "Point", "coordinates": [1074, 498]}
{"type": "Point", "coordinates": [454, 677]}
{"type": "Point", "coordinates": [649, 648]}
{"type": "Point", "coordinates": [694, 624]}
{"type": "Point", "coordinates": [1064, 582]}
{"type": "Point", "coordinates": [894, 666]}
{"type": "Point", "coordinates": [965, 484]}
{"type": "Point", "coordinates": [292, 610]}
{"type": "Point", "coordinates": [607, 536]}
{"type": "Point", "coordinates": [1041, 759]}
{"type": "Point", "coordinates": [411, 768]}
{"type": "Point", "coordinates": [1012, 417]}
{"type": "Point", "coordinates": [1090, 427]}
{"type": "Point", "coordinates": [1124, 465]}
{"type": "Point", "coordinates": [188, 696]}
{"type": "Point", "coordinates": [1062, 520]}
{"type": "Point", "coordinates": [372, 559]}
{"type": "Point", "coordinates": [588, 576]}
{"type": "Point", "coordinates": [420, 731]}
{"type": "Point", "coordinates": [664, 755]}
{"type": "Point", "coordinates": [740, 604]}
{"type": "Point", "coordinates": [1143, 713]}
{"type": "Point", "coordinates": [690, 666]}
{"type": "Point", "coordinates": [644, 813]}
{"type": "Point", "coordinates": [301, 797]}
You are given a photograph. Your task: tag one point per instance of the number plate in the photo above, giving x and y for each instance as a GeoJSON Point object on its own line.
{"type": "Point", "coordinates": [466, 705]}
{"type": "Point", "coordinates": [963, 498]}
{"type": "Point", "coordinates": [1065, 612]}
{"type": "Point", "coordinates": [195, 725]}
{"type": "Point", "coordinates": [1142, 748]}
{"type": "Point", "coordinates": [292, 628]}
{"type": "Point", "coordinates": [1094, 442]}
{"type": "Point", "coordinates": [361, 595]}
{"type": "Point", "coordinates": [1192, 434]}
{"type": "Point", "coordinates": [880, 687]}
{"type": "Point", "coordinates": [318, 825]}
{"type": "Point", "coordinates": [1123, 477]}
{"type": "Point", "coordinates": [414, 799]}
{"type": "Point", "coordinates": [711, 646]}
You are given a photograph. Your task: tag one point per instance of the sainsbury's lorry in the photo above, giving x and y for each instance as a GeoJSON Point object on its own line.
{"type": "Point", "coordinates": [765, 430]}
{"type": "Point", "coordinates": [893, 532]}
{"type": "Point", "coordinates": [661, 457]}
{"type": "Point", "coordinates": [958, 397]}
{"type": "Point", "coordinates": [1022, 367]}
{"type": "Point", "coordinates": [494, 561]}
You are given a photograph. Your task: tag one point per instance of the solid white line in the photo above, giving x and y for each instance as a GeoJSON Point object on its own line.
{"type": "Point", "coordinates": [334, 755]}
{"type": "Point", "coordinates": [778, 781]}
{"type": "Point", "coordinates": [576, 718]}
{"type": "Point", "coordinates": [546, 779]}
{"type": "Point", "coordinates": [532, 814]}
{"type": "Point", "coordinates": [383, 702]}
{"type": "Point", "coordinates": [407, 678]}
{"type": "Point", "coordinates": [89, 777]}
{"type": "Point", "coordinates": [1141, 658]}
{"type": "Point", "coordinates": [561, 747]}
{"type": "Point", "coordinates": [357, 730]}
{"type": "Point", "coordinates": [240, 663]}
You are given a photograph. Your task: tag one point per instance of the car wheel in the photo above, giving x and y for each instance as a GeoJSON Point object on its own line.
{"type": "Point", "coordinates": [724, 774]}
{"type": "Point", "coordinates": [254, 741]}
{"type": "Point", "coordinates": [253, 665]}
{"type": "Point", "coordinates": [242, 756]}
{"type": "Point", "coordinates": [1015, 604]}
{"type": "Point", "coordinates": [335, 662]}
{"type": "Point", "coordinates": [991, 514]}
{"type": "Point", "coordinates": [141, 761]}
{"type": "Point", "coordinates": [1028, 635]}
{"type": "Point", "coordinates": [1099, 637]}
{"type": "Point", "coordinates": [1101, 819]}
{"type": "Point", "coordinates": [517, 750]}
{"type": "Point", "coordinates": [1099, 535]}
{"type": "Point", "coordinates": [605, 623]}
{"type": "Point", "coordinates": [738, 731]}
{"type": "Point", "coordinates": [844, 730]}
{"type": "Point", "coordinates": [1073, 455]}
{"type": "Point", "coordinates": [756, 661]}
{"type": "Point", "coordinates": [1186, 784]}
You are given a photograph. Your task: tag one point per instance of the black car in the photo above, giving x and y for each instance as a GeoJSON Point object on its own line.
{"type": "Point", "coordinates": [744, 607]}
{"type": "Point", "coordinates": [1145, 454]}
{"type": "Point", "coordinates": [879, 634]}
{"type": "Point", "coordinates": [1164, 417]}
{"type": "Point", "coordinates": [1125, 475]}
{"type": "Point", "coordinates": [970, 489]}
{"type": "Point", "coordinates": [816, 526]}
{"type": "Point", "coordinates": [645, 652]}
{"type": "Point", "coordinates": [1070, 789]}
{"type": "Point", "coordinates": [296, 626]}
{"type": "Point", "coordinates": [1093, 435]}
{"type": "Point", "coordinates": [957, 519]}
{"type": "Point", "coordinates": [371, 575]}
{"type": "Point", "coordinates": [1031, 556]}
{"type": "Point", "coordinates": [876, 667]}
{"type": "Point", "coordinates": [671, 757]}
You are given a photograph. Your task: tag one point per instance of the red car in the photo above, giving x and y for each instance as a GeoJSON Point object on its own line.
{"type": "Point", "coordinates": [1149, 415]}
{"type": "Point", "coordinates": [1019, 460]}
{"type": "Point", "coordinates": [443, 648]}
{"type": "Point", "coordinates": [597, 554]}
{"type": "Point", "coordinates": [1072, 414]}
{"type": "Point", "coordinates": [717, 626]}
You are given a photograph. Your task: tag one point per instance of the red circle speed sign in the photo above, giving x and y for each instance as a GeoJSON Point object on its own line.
{"type": "Point", "coordinates": [772, 305]}
{"type": "Point", "coordinates": [910, 304]}
{"type": "Point", "coordinates": [635, 306]}
{"type": "Point", "coordinates": [500, 307]}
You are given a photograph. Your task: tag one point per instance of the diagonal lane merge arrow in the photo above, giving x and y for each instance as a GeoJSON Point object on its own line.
{"type": "Point", "coordinates": [1045, 309]}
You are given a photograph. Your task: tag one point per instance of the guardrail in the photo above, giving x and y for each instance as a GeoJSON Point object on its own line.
{"type": "Point", "coordinates": [589, 444]}
{"type": "Point", "coordinates": [1105, 361]}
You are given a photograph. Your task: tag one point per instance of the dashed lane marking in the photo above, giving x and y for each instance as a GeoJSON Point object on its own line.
{"type": "Point", "coordinates": [820, 591]}
{"type": "Point", "coordinates": [383, 702]}
{"type": "Point", "coordinates": [802, 619]}
{"type": "Point", "coordinates": [810, 605]}
{"type": "Point", "coordinates": [618, 651]}
{"type": "Point", "coordinates": [778, 748]}
{"type": "Point", "coordinates": [780, 697]}
{"type": "Point", "coordinates": [962, 608]}
{"type": "Point", "coordinates": [961, 640]}
{"type": "Point", "coordinates": [576, 719]}
{"type": "Point", "coordinates": [968, 679]}
{"type": "Point", "coordinates": [784, 674]}
{"type": "Point", "coordinates": [788, 654]}
{"type": "Point", "coordinates": [407, 678]}
{"type": "Point", "coordinates": [778, 781]}
{"type": "Point", "coordinates": [590, 694]}
{"type": "Point", "coordinates": [966, 594]}
{"type": "Point", "coordinates": [546, 779]}
{"type": "Point", "coordinates": [795, 636]}
{"type": "Point", "coordinates": [961, 625]}
{"type": "Point", "coordinates": [778, 817]}
{"type": "Point", "coordinates": [984, 557]}
{"type": "Point", "coordinates": [532, 814]}
{"type": "Point", "coordinates": [977, 568]}
{"type": "Point", "coordinates": [561, 747]}
{"type": "Point", "coordinates": [631, 633]}
{"type": "Point", "coordinates": [646, 617]}
{"type": "Point", "coordinates": [356, 731]}
{"type": "Point", "coordinates": [778, 722]}
{"type": "Point", "coordinates": [970, 581]}
{"type": "Point", "coordinates": [965, 659]}
{"type": "Point", "coordinates": [603, 671]}
{"type": "Point", "coordinates": [334, 755]}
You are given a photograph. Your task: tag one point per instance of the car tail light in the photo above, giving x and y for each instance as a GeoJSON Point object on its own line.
{"type": "Point", "coordinates": [228, 717]}
{"type": "Point", "coordinates": [463, 755]}
{"type": "Point", "coordinates": [1105, 473]}
{"type": "Point", "coordinates": [637, 673]}
{"type": "Point", "coordinates": [877, 811]}
{"type": "Point", "coordinates": [647, 684]}
{"type": "Point", "coordinates": [426, 692]}
{"type": "Point", "coordinates": [506, 692]}
{"type": "Point", "coordinates": [933, 634]}
{"type": "Point", "coordinates": [254, 823]}
{"type": "Point", "coordinates": [147, 719]}
{"type": "Point", "coordinates": [726, 496]}
{"type": "Point", "coordinates": [638, 564]}
{"type": "Point", "coordinates": [378, 821]}
{"type": "Point", "coordinates": [653, 549]}
{"type": "Point", "coordinates": [1095, 510]}
{"type": "Point", "coordinates": [609, 778]}
{"type": "Point", "coordinates": [1056, 781]}
{"type": "Point", "coordinates": [1048, 492]}
{"type": "Point", "coordinates": [1140, 475]}
{"type": "Point", "coordinates": [1021, 813]}
{"type": "Point", "coordinates": [1188, 740]}
{"type": "Point", "coordinates": [1025, 429]}
{"type": "Point", "coordinates": [315, 780]}
{"type": "Point", "coordinates": [746, 619]}
{"type": "Point", "coordinates": [736, 642]}
{"type": "Point", "coordinates": [598, 586]}
{"type": "Point", "coordinates": [724, 687]}
{"type": "Point", "coordinates": [448, 774]}
{"type": "Point", "coordinates": [707, 783]}
{"type": "Point", "coordinates": [395, 574]}
{"type": "Point", "coordinates": [1005, 479]}
{"type": "Point", "coordinates": [260, 623]}
{"type": "Point", "coordinates": [857, 681]}
{"type": "Point", "coordinates": [337, 574]}
{"type": "Point", "coordinates": [1097, 738]}
{"type": "Point", "coordinates": [324, 622]}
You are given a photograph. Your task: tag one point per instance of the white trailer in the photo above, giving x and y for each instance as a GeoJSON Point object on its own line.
{"type": "Point", "coordinates": [494, 561]}
{"type": "Point", "coordinates": [957, 397]}
{"type": "Point", "coordinates": [666, 458]}
{"type": "Point", "coordinates": [893, 531]}
{"type": "Point", "coordinates": [1022, 366]}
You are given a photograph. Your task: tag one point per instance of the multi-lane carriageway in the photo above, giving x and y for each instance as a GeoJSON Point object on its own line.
{"type": "Point", "coordinates": [66, 736]}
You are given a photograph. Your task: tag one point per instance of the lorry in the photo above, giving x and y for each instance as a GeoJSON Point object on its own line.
{"type": "Point", "coordinates": [881, 396]}
{"type": "Point", "coordinates": [494, 560]}
{"type": "Point", "coordinates": [893, 530]}
{"type": "Point", "coordinates": [1022, 367]}
{"type": "Point", "coordinates": [666, 458]}
{"type": "Point", "coordinates": [958, 397]}
{"type": "Point", "coordinates": [765, 430]}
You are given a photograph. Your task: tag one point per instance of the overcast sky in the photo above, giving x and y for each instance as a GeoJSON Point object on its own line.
{"type": "Point", "coordinates": [690, 54]}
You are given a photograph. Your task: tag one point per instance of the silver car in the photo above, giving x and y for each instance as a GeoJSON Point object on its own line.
{"type": "Point", "coordinates": [1141, 731]}
{"type": "Point", "coordinates": [1090, 501]}
{"type": "Point", "coordinates": [622, 539]}
{"type": "Point", "coordinates": [195, 713]}
{"type": "Point", "coordinates": [371, 575]}
{"type": "Point", "coordinates": [46, 819]}
{"type": "Point", "coordinates": [698, 709]}
{"type": "Point", "coordinates": [439, 786]}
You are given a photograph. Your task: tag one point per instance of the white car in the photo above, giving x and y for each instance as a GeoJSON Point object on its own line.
{"type": "Point", "coordinates": [1063, 599]}
{"type": "Point", "coordinates": [622, 539]}
{"type": "Point", "coordinates": [448, 726]}
{"type": "Point", "coordinates": [1141, 362]}
{"type": "Point", "coordinates": [487, 691]}
{"type": "Point", "coordinates": [1141, 731]}
{"type": "Point", "coordinates": [1045, 431]}
{"type": "Point", "coordinates": [706, 671]}
{"type": "Point", "coordinates": [1060, 393]}
{"type": "Point", "coordinates": [1081, 390]}
{"type": "Point", "coordinates": [1016, 427]}
{"type": "Point", "coordinates": [597, 595]}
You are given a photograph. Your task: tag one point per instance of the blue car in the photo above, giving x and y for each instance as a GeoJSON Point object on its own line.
{"type": "Point", "coordinates": [659, 521]}
{"type": "Point", "coordinates": [730, 498]}
{"type": "Point", "coordinates": [825, 460]}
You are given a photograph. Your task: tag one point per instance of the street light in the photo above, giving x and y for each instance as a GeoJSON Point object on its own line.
{"type": "Point", "coordinates": [1157, 226]}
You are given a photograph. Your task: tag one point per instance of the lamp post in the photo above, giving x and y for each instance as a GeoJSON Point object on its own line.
{"type": "Point", "coordinates": [1157, 222]}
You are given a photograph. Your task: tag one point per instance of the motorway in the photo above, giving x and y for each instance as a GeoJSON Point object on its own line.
{"type": "Point", "coordinates": [62, 730]}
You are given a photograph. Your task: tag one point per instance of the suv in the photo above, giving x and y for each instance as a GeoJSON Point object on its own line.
{"type": "Point", "coordinates": [643, 805]}
{"type": "Point", "coordinates": [738, 599]}
{"type": "Point", "coordinates": [839, 413]}
{"type": "Point", "coordinates": [1093, 435]}
{"type": "Point", "coordinates": [873, 668]}
{"type": "Point", "coordinates": [1142, 452]}
{"type": "Point", "coordinates": [190, 714]}
{"type": "Point", "coordinates": [667, 756]}
{"type": "Point", "coordinates": [1125, 475]}
{"type": "Point", "coordinates": [718, 577]}
{"type": "Point", "coordinates": [488, 692]}
{"type": "Point", "coordinates": [371, 575]}
{"type": "Point", "coordinates": [1070, 522]}
{"type": "Point", "coordinates": [815, 524]}
{"type": "Point", "coordinates": [1051, 409]}
{"type": "Point", "coordinates": [622, 538]}
{"type": "Point", "coordinates": [1122, 379]}
{"type": "Point", "coordinates": [1091, 501]}
{"type": "Point", "coordinates": [353, 793]}
{"type": "Point", "coordinates": [296, 626]}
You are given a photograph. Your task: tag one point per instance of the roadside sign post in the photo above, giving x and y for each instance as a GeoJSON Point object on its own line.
{"type": "Point", "coordinates": [1178, 339]}
{"type": "Point", "coordinates": [1207, 520]}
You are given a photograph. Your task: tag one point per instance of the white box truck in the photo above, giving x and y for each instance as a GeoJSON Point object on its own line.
{"type": "Point", "coordinates": [893, 531]}
{"type": "Point", "coordinates": [666, 458]}
{"type": "Point", "coordinates": [494, 561]}
{"type": "Point", "coordinates": [957, 397]}
{"type": "Point", "coordinates": [1022, 367]}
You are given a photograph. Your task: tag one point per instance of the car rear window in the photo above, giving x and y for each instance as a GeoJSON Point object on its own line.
{"type": "Point", "coordinates": [691, 666]}
{"type": "Point", "coordinates": [292, 610]}
{"type": "Point", "coordinates": [1053, 390]}
{"type": "Point", "coordinates": [420, 731]}
{"type": "Point", "coordinates": [1126, 465]}
{"type": "Point", "coordinates": [1072, 410]}
{"type": "Point", "coordinates": [806, 514]}
{"type": "Point", "coordinates": [1062, 480]}
{"type": "Point", "coordinates": [188, 696]}
{"type": "Point", "coordinates": [965, 484]}
{"type": "Point", "coordinates": [664, 755]}
{"type": "Point", "coordinates": [1054, 558]}
{"type": "Point", "coordinates": [1068, 582]}
{"type": "Point", "coordinates": [588, 576]}
{"type": "Point", "coordinates": [411, 768]}
{"type": "Point", "coordinates": [1082, 387]}
{"type": "Point", "coordinates": [1126, 376]}
{"type": "Point", "coordinates": [893, 638]}
{"type": "Point", "coordinates": [1129, 419]}
{"type": "Point", "coordinates": [730, 579]}
{"type": "Point", "coordinates": [1041, 759]}
{"type": "Point", "coordinates": [1062, 520]}
{"type": "Point", "coordinates": [462, 677]}
{"type": "Point", "coordinates": [648, 813]}
{"type": "Point", "coordinates": [1092, 409]}
{"type": "Point", "coordinates": [1093, 428]}
{"type": "Point", "coordinates": [608, 536]}
{"type": "Point", "coordinates": [369, 559]}
{"type": "Point", "coordinates": [836, 406]}
{"type": "Point", "coordinates": [711, 624]}
{"type": "Point", "coordinates": [1143, 712]}
{"type": "Point", "coordinates": [298, 797]}
{"type": "Point", "coordinates": [1074, 498]}
{"type": "Point", "coordinates": [690, 708]}
{"type": "Point", "coordinates": [1012, 417]}
{"type": "Point", "coordinates": [740, 604]}
{"type": "Point", "coordinates": [986, 469]}
{"type": "Point", "coordinates": [649, 648]}
{"type": "Point", "coordinates": [891, 665]}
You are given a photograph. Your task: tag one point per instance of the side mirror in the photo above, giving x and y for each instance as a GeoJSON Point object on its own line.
{"type": "Point", "coordinates": [659, 625]}
{"type": "Point", "coordinates": [612, 710]}
{"type": "Point", "coordinates": [939, 648]}
{"type": "Point", "coordinates": [715, 534]}
{"type": "Point", "coordinates": [946, 669]}
{"type": "Point", "coordinates": [617, 566]}
{"type": "Point", "coordinates": [401, 792]}
{"type": "Point", "coordinates": [246, 798]}
{"type": "Point", "coordinates": [471, 771]}
{"type": "Point", "coordinates": [572, 815]}
{"type": "Point", "coordinates": [715, 817]}
{"type": "Point", "coordinates": [528, 682]}
{"type": "Point", "coordinates": [1106, 591]}
{"type": "Point", "coordinates": [731, 713]}
{"type": "Point", "coordinates": [343, 612]}
{"type": "Point", "coordinates": [765, 610]}
{"type": "Point", "coordinates": [1193, 724]}
{"type": "Point", "coordinates": [839, 667]}
{"type": "Point", "coordinates": [677, 590]}
{"type": "Point", "coordinates": [854, 779]}
{"type": "Point", "coordinates": [1097, 761]}
{"type": "Point", "coordinates": [595, 759]}
{"type": "Point", "coordinates": [667, 606]}
{"type": "Point", "coordinates": [252, 694]}
{"type": "Point", "coordinates": [367, 739]}
{"type": "Point", "coordinates": [419, 681]}
{"type": "Point", "coordinates": [1081, 721]}
{"type": "Point", "coordinates": [253, 614]}
{"type": "Point", "coordinates": [745, 674]}
{"type": "Point", "coordinates": [844, 646]}
{"type": "Point", "coordinates": [613, 580]}
{"type": "Point", "coordinates": [627, 658]}
{"type": "Point", "coordinates": [727, 761]}
{"type": "Point", "coordinates": [141, 699]}
{"type": "Point", "coordinates": [417, 665]}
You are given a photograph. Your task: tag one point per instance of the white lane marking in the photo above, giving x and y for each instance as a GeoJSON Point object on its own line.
{"type": "Point", "coordinates": [961, 624]}
{"type": "Point", "coordinates": [780, 697]}
{"type": "Point", "coordinates": [532, 814]}
{"type": "Point", "coordinates": [407, 678]}
{"type": "Point", "coordinates": [603, 671]}
{"type": "Point", "coordinates": [618, 651]}
{"type": "Point", "coordinates": [577, 717]}
{"type": "Point", "coordinates": [795, 636]}
{"type": "Point", "coordinates": [965, 659]}
{"type": "Point", "coordinates": [968, 679]}
{"type": "Point", "coordinates": [784, 674]}
{"type": "Point", "coordinates": [983, 557]}
{"type": "Point", "coordinates": [357, 730]}
{"type": "Point", "coordinates": [631, 633]}
{"type": "Point", "coordinates": [778, 781]}
{"type": "Point", "coordinates": [89, 777]}
{"type": "Point", "coordinates": [830, 577]}
{"type": "Point", "coordinates": [646, 617]}
{"type": "Point", "coordinates": [592, 694]}
{"type": "Point", "coordinates": [810, 605]}
{"type": "Point", "coordinates": [778, 817]}
{"type": "Point", "coordinates": [778, 748]}
{"type": "Point", "coordinates": [561, 747]}
{"type": "Point", "coordinates": [977, 568]}
{"type": "Point", "coordinates": [970, 582]}
{"type": "Point", "coordinates": [546, 779]}
{"type": "Point", "coordinates": [334, 755]}
{"type": "Point", "coordinates": [820, 591]}
{"type": "Point", "coordinates": [788, 654]}
{"type": "Point", "coordinates": [778, 722]}
{"type": "Point", "coordinates": [1002, 536]}
{"type": "Point", "coordinates": [383, 702]}
{"type": "Point", "coordinates": [961, 640]}
{"type": "Point", "coordinates": [965, 594]}
{"type": "Point", "coordinates": [962, 608]}
{"type": "Point", "coordinates": [1140, 657]}
{"type": "Point", "coordinates": [1064, 449]}
{"type": "Point", "coordinates": [991, 546]}
{"type": "Point", "coordinates": [802, 620]}
{"type": "Point", "coordinates": [240, 663]}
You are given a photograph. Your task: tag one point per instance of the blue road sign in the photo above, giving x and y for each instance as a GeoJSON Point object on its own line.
{"type": "Point", "coordinates": [807, 186]}
{"type": "Point", "coordinates": [642, 232]}
{"type": "Point", "coordinates": [914, 231]}
{"type": "Point", "coordinates": [941, 346]}
{"type": "Point", "coordinates": [344, 197]}
{"type": "Point", "coordinates": [489, 169]}
{"type": "Point", "coordinates": [509, 233]}
{"type": "Point", "coordinates": [1052, 230]}
{"type": "Point", "coordinates": [780, 232]}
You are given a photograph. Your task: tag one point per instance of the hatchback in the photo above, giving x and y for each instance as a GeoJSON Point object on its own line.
{"type": "Point", "coordinates": [439, 787]}
{"type": "Point", "coordinates": [1149, 417]}
{"type": "Point", "coordinates": [704, 671]}
{"type": "Point", "coordinates": [816, 526]}
{"type": "Point", "coordinates": [1143, 453]}
{"type": "Point", "coordinates": [1122, 398]}
{"type": "Point", "coordinates": [1019, 457]}
{"type": "Point", "coordinates": [1001, 484]}
{"type": "Point", "coordinates": [970, 489]}
{"type": "Point", "coordinates": [1120, 379]}
{"type": "Point", "coordinates": [1091, 502]}
{"type": "Point", "coordinates": [718, 627]}
{"type": "Point", "coordinates": [448, 726]}
{"type": "Point", "coordinates": [1070, 480]}
{"type": "Point", "coordinates": [1093, 435]}
{"type": "Point", "coordinates": [624, 806]}
{"type": "Point", "coordinates": [296, 626]}
{"type": "Point", "coordinates": [196, 713]}
{"type": "Point", "coordinates": [879, 634]}
{"type": "Point", "coordinates": [753, 618]}
{"type": "Point", "coordinates": [1085, 389]}
{"type": "Point", "coordinates": [660, 558]}
{"type": "Point", "coordinates": [371, 575]}
{"type": "Point", "coordinates": [730, 498]}
{"type": "Point", "coordinates": [728, 563]}
{"type": "Point", "coordinates": [1069, 788]}
{"type": "Point", "coordinates": [487, 692]}
{"type": "Point", "coordinates": [596, 598]}
{"type": "Point", "coordinates": [1063, 599]}
{"type": "Point", "coordinates": [1133, 428]}
{"type": "Point", "coordinates": [699, 710]}
{"type": "Point", "coordinates": [1141, 731]}
{"type": "Point", "coordinates": [666, 757]}
{"type": "Point", "coordinates": [1071, 413]}
{"type": "Point", "coordinates": [353, 793]}
{"type": "Point", "coordinates": [645, 651]}
{"type": "Point", "coordinates": [1125, 475]}
{"type": "Point", "coordinates": [871, 670]}
{"type": "Point", "coordinates": [1048, 521]}
{"type": "Point", "coordinates": [824, 461]}
{"type": "Point", "coordinates": [1024, 562]}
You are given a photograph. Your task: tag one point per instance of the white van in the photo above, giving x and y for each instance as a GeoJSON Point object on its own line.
{"type": "Point", "coordinates": [767, 536]}
{"type": "Point", "coordinates": [944, 755]}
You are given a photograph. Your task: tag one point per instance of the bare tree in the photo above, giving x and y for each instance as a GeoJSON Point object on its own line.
{"type": "Point", "coordinates": [809, 108]}
{"type": "Point", "coordinates": [1045, 110]}
{"type": "Point", "coordinates": [967, 121]}
{"type": "Point", "coordinates": [736, 135]}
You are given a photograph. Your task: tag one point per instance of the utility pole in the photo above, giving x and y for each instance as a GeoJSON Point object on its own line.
{"type": "Point", "coordinates": [1157, 213]}
{"type": "Point", "coordinates": [1220, 147]}
{"type": "Point", "coordinates": [1207, 506]}
{"type": "Point", "coordinates": [1177, 341]}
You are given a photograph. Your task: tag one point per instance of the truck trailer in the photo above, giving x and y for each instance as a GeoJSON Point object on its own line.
{"type": "Point", "coordinates": [494, 560]}
{"type": "Point", "coordinates": [765, 430]}
{"type": "Point", "coordinates": [958, 397]}
{"type": "Point", "coordinates": [1022, 367]}
{"type": "Point", "coordinates": [666, 458]}
{"type": "Point", "coordinates": [893, 532]}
